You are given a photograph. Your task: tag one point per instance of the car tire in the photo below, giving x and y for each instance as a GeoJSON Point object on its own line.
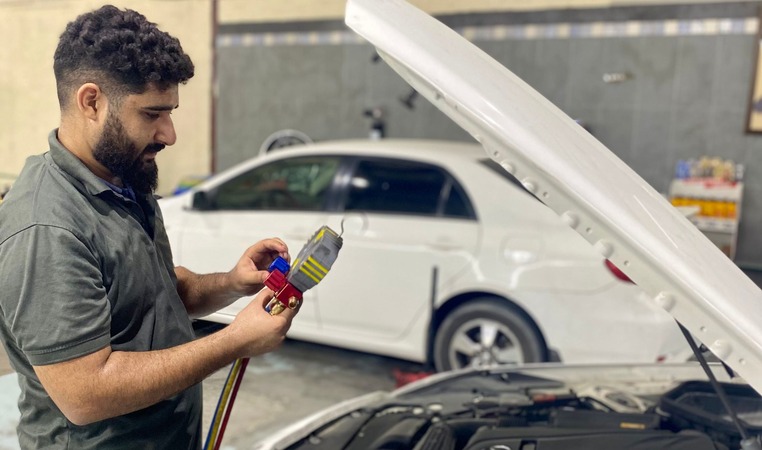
{"type": "Point", "coordinates": [484, 332]}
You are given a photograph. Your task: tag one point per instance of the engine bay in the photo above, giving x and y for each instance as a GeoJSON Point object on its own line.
{"type": "Point", "coordinates": [533, 413]}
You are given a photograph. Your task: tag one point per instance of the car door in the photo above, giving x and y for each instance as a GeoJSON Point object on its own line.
{"type": "Point", "coordinates": [409, 229]}
{"type": "Point", "coordinates": [285, 198]}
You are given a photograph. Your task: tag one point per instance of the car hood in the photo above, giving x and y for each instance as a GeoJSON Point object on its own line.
{"type": "Point", "coordinates": [439, 394]}
{"type": "Point", "coordinates": [570, 171]}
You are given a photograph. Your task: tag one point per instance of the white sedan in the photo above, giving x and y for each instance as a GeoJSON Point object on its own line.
{"type": "Point", "coordinates": [446, 258]}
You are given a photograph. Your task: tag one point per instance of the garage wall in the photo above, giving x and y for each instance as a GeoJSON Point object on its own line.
{"type": "Point", "coordinates": [690, 69]}
{"type": "Point", "coordinates": [687, 97]}
{"type": "Point", "coordinates": [29, 32]}
{"type": "Point", "coordinates": [256, 11]}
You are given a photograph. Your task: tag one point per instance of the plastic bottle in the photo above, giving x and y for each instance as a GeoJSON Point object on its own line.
{"type": "Point", "coordinates": [739, 172]}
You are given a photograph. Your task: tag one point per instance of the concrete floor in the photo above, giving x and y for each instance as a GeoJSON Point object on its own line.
{"type": "Point", "coordinates": [277, 389]}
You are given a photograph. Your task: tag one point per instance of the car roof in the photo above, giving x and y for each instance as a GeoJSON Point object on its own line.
{"type": "Point", "coordinates": [446, 154]}
{"type": "Point", "coordinates": [424, 149]}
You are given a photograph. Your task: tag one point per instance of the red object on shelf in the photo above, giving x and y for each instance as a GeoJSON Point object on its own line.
{"type": "Point", "coordinates": [710, 182]}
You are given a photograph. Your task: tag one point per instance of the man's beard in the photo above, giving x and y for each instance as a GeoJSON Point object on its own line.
{"type": "Point", "coordinates": [117, 153]}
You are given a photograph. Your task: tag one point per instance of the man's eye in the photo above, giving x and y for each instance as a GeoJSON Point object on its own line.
{"type": "Point", "coordinates": [152, 116]}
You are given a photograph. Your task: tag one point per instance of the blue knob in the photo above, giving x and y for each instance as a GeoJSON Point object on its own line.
{"type": "Point", "coordinates": [280, 264]}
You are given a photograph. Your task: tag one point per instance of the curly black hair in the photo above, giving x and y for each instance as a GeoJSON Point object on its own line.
{"type": "Point", "coordinates": [121, 51]}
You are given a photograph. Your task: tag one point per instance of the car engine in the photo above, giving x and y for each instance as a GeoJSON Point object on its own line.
{"type": "Point", "coordinates": [539, 414]}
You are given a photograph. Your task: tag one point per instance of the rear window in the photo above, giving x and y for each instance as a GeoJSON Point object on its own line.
{"type": "Point", "coordinates": [395, 186]}
{"type": "Point", "coordinates": [406, 187]}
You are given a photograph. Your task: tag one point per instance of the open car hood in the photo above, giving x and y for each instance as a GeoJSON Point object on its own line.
{"type": "Point", "coordinates": [592, 190]}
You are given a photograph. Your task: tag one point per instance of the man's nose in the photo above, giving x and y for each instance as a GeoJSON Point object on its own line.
{"type": "Point", "coordinates": [166, 132]}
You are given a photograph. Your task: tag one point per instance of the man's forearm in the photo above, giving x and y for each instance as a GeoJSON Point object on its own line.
{"type": "Point", "coordinates": [129, 381]}
{"type": "Point", "coordinates": [110, 383]}
{"type": "Point", "coordinates": [205, 294]}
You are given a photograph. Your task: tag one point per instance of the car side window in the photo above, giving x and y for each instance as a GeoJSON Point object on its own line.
{"type": "Point", "coordinates": [298, 184]}
{"type": "Point", "coordinates": [456, 204]}
{"type": "Point", "coordinates": [388, 186]}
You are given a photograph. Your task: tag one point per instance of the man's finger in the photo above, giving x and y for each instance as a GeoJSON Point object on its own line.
{"type": "Point", "coordinates": [268, 246]}
{"type": "Point", "coordinates": [266, 294]}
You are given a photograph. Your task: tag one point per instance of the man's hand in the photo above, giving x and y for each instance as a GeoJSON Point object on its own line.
{"type": "Point", "coordinates": [248, 275]}
{"type": "Point", "coordinates": [258, 331]}
{"type": "Point", "coordinates": [205, 294]}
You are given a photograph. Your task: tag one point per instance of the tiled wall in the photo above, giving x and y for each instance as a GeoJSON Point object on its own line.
{"type": "Point", "coordinates": [690, 68]}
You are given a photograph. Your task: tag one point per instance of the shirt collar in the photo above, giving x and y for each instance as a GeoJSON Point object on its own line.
{"type": "Point", "coordinates": [75, 168]}
{"type": "Point", "coordinates": [126, 191]}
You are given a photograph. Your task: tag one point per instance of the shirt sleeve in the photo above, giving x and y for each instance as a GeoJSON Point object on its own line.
{"type": "Point", "coordinates": [53, 300]}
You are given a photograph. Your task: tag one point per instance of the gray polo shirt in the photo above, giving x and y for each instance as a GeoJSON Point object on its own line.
{"type": "Point", "coordinates": [82, 268]}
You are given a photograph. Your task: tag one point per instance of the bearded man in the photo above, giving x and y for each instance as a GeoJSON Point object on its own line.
{"type": "Point", "coordinates": [95, 318]}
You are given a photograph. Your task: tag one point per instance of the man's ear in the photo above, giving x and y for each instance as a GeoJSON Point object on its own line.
{"type": "Point", "coordinates": [91, 102]}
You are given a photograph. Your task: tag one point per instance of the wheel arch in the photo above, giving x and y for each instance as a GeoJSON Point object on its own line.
{"type": "Point", "coordinates": [439, 314]}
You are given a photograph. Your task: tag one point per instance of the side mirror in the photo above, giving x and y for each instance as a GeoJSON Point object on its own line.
{"type": "Point", "coordinates": [201, 201]}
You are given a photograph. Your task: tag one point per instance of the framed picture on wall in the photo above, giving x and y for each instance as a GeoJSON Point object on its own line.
{"type": "Point", "coordinates": [754, 124]}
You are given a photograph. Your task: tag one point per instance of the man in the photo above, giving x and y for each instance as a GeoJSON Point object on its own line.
{"type": "Point", "coordinates": [93, 315]}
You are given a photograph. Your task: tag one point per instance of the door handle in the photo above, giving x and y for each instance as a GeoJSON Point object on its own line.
{"type": "Point", "coordinates": [444, 243]}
